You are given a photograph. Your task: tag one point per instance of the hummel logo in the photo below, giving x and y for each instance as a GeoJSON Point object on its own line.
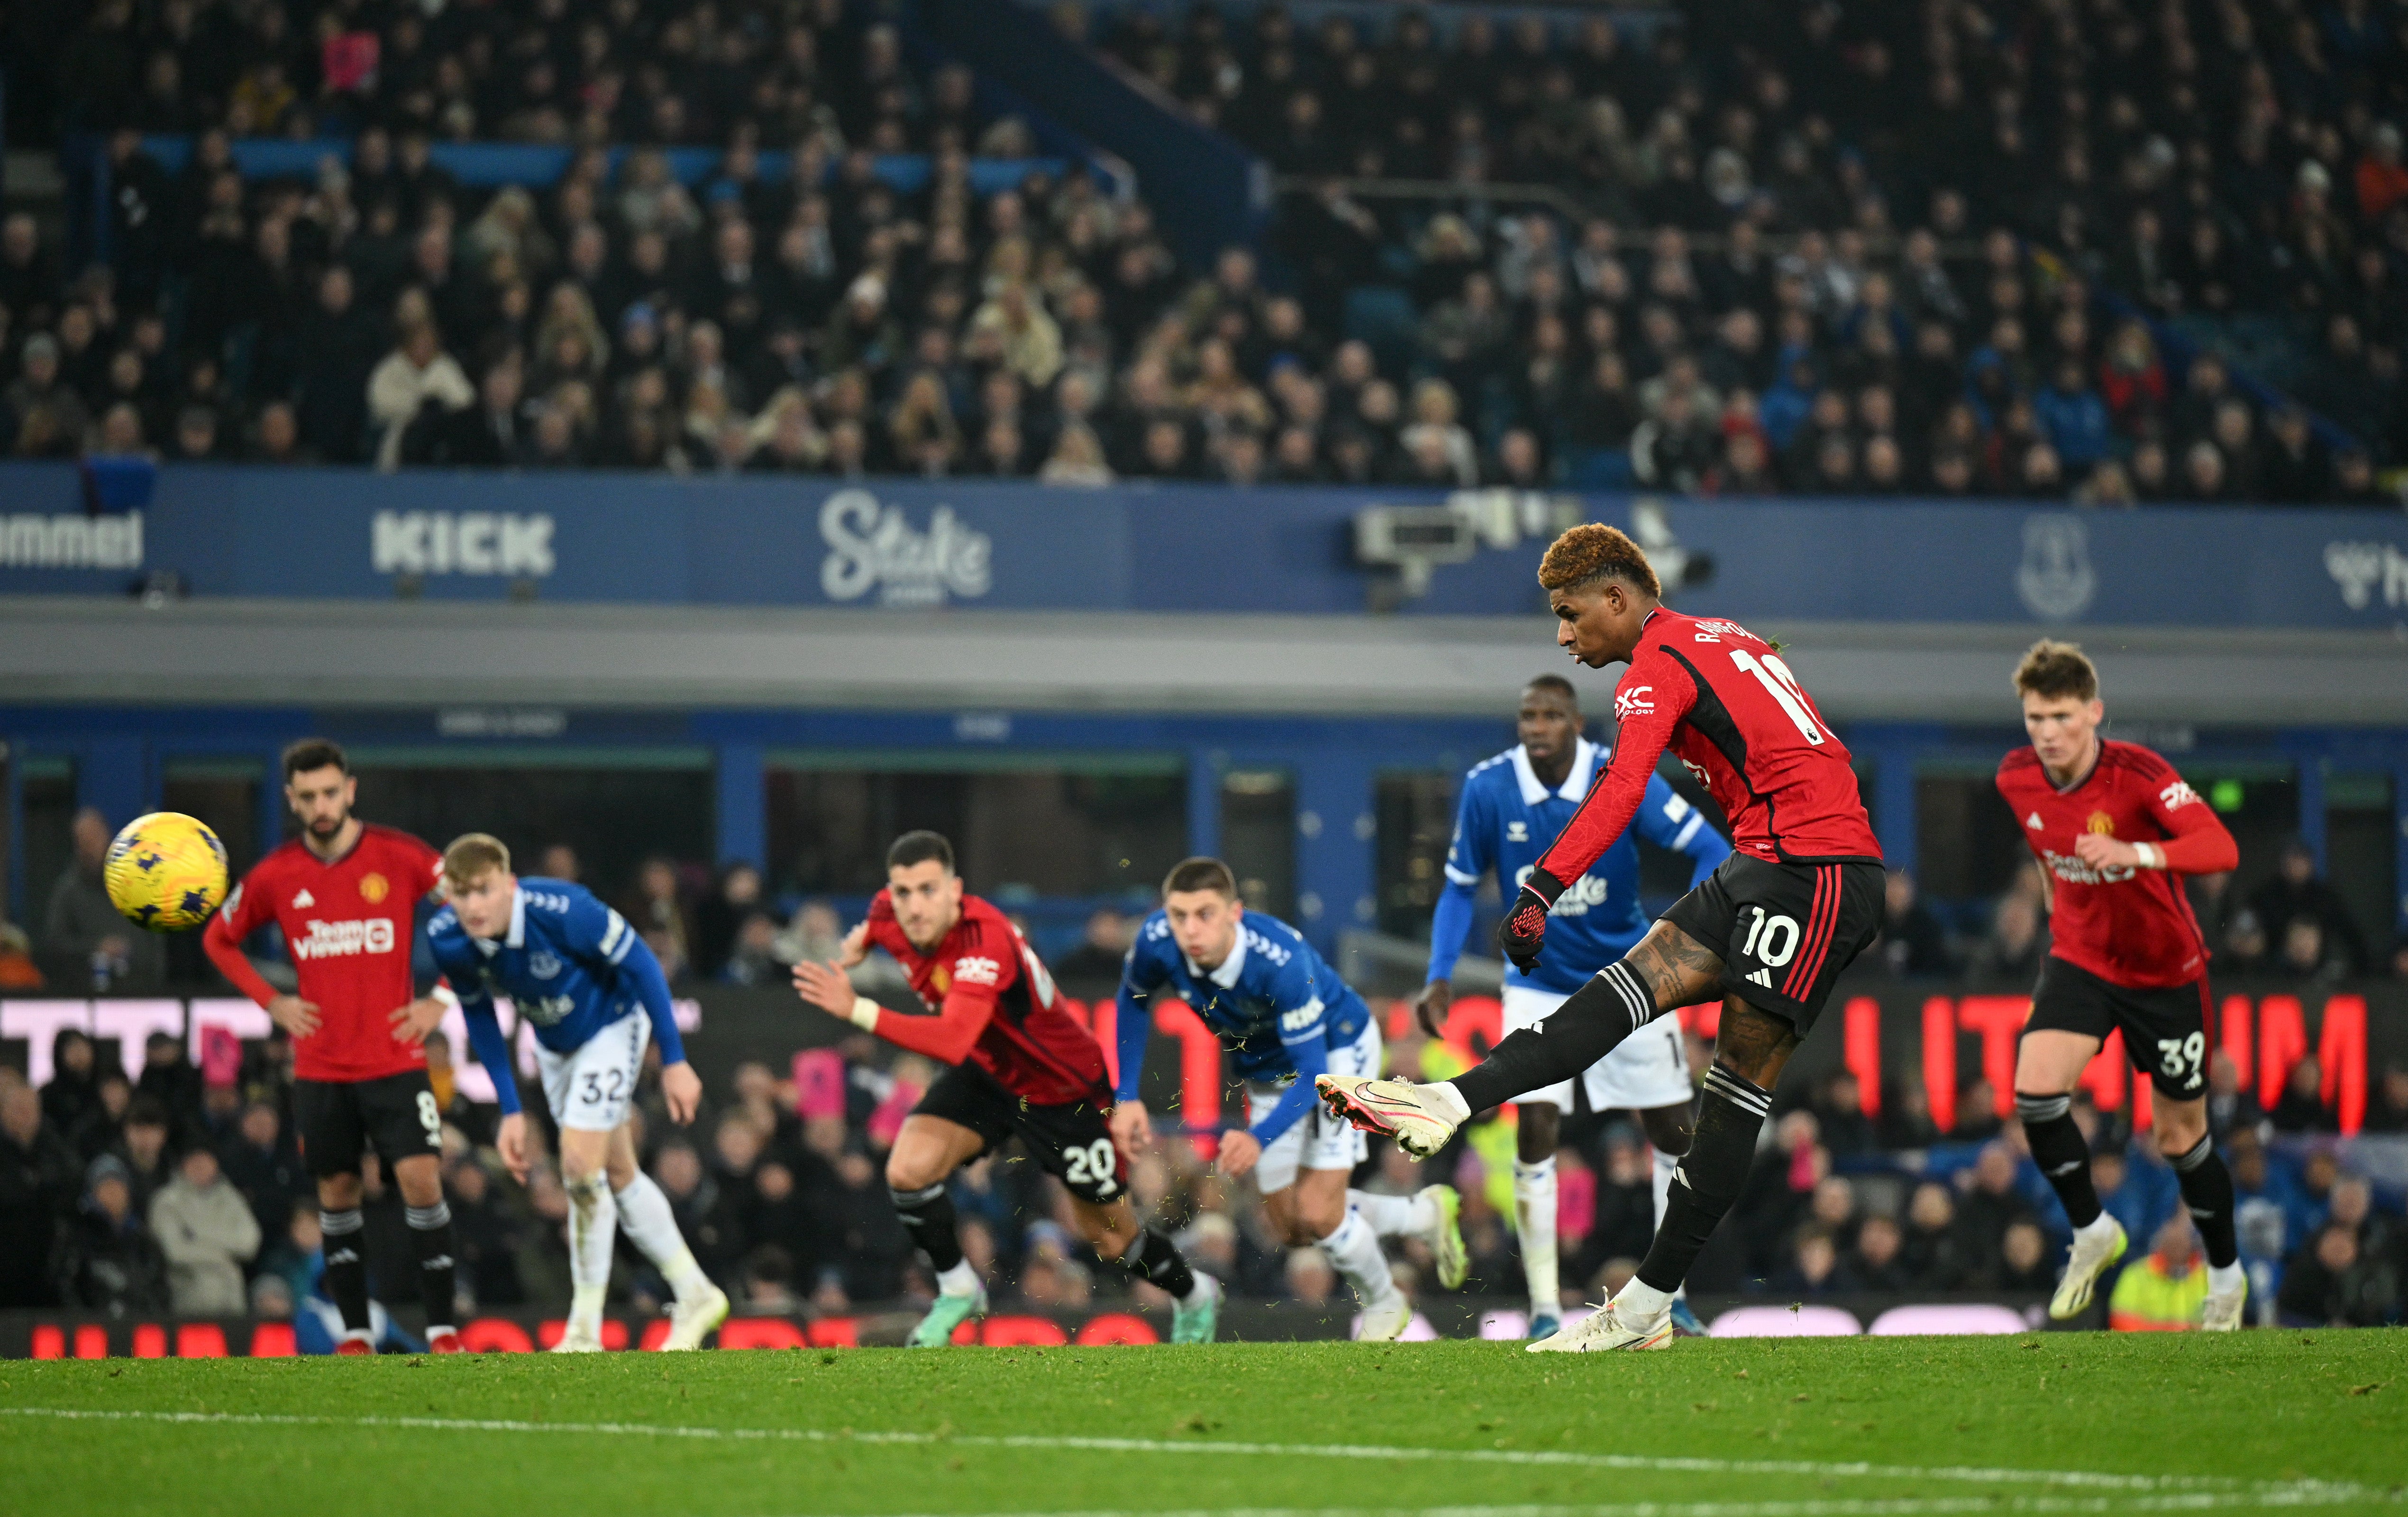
{"type": "Point", "coordinates": [304, 901]}
{"type": "Point", "coordinates": [1762, 977]}
{"type": "Point", "coordinates": [2033, 822]}
{"type": "Point", "coordinates": [1517, 832]}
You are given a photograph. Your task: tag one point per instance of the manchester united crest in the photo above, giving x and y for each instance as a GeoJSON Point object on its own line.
{"type": "Point", "coordinates": [374, 888]}
{"type": "Point", "coordinates": [2101, 824]}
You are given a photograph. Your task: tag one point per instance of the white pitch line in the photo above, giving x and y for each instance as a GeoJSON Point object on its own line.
{"type": "Point", "coordinates": [1906, 1507]}
{"type": "Point", "coordinates": [2176, 1492]}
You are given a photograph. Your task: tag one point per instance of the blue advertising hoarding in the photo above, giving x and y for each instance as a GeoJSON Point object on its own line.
{"type": "Point", "coordinates": [805, 540]}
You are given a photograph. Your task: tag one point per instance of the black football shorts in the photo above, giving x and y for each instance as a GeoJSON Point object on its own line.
{"type": "Point", "coordinates": [339, 1120]}
{"type": "Point", "coordinates": [1784, 931]}
{"type": "Point", "coordinates": [1070, 1142]}
{"type": "Point", "coordinates": [2164, 1027]}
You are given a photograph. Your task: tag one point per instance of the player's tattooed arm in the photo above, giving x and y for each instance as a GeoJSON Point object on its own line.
{"type": "Point", "coordinates": [1676, 968]}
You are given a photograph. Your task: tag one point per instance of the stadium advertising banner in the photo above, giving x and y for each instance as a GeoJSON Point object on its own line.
{"type": "Point", "coordinates": [74, 1334]}
{"type": "Point", "coordinates": [1937, 1036]}
{"type": "Point", "coordinates": [807, 541]}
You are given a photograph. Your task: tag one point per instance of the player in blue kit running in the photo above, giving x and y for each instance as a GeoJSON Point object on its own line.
{"type": "Point", "coordinates": [1286, 1017]}
{"type": "Point", "coordinates": [595, 995]}
{"type": "Point", "coordinates": [1512, 808]}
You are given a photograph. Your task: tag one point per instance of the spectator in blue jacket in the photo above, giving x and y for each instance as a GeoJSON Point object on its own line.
{"type": "Point", "coordinates": [2074, 418]}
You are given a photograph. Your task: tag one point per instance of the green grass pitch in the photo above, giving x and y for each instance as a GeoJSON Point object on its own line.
{"type": "Point", "coordinates": [1884, 1427]}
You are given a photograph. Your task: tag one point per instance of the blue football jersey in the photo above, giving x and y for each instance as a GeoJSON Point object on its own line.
{"type": "Point", "coordinates": [571, 964]}
{"type": "Point", "coordinates": [1504, 820]}
{"type": "Point", "coordinates": [1277, 1004]}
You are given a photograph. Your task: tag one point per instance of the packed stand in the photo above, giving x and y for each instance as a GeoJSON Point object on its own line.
{"type": "Point", "coordinates": [821, 322]}
{"type": "Point", "coordinates": [2204, 163]}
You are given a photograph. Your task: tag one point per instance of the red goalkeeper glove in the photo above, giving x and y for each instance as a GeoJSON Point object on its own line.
{"type": "Point", "coordinates": [1524, 931]}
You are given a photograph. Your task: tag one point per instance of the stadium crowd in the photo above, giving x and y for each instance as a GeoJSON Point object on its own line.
{"type": "Point", "coordinates": [1829, 301]}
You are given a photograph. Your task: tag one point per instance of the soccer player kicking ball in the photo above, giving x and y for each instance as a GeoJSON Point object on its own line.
{"type": "Point", "coordinates": [344, 894]}
{"type": "Point", "coordinates": [595, 994]}
{"type": "Point", "coordinates": [1511, 807]}
{"type": "Point", "coordinates": [2115, 828]}
{"type": "Point", "coordinates": [1021, 1067]}
{"type": "Point", "coordinates": [1287, 1017]}
{"type": "Point", "coordinates": [1769, 931]}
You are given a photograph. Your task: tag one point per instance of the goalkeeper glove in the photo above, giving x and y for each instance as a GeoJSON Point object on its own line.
{"type": "Point", "coordinates": [1524, 931]}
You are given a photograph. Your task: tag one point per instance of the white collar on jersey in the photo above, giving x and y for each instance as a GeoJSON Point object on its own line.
{"type": "Point", "coordinates": [517, 938]}
{"type": "Point", "coordinates": [1575, 784]}
{"type": "Point", "coordinates": [1225, 974]}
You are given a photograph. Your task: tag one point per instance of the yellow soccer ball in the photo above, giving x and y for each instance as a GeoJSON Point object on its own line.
{"type": "Point", "coordinates": [166, 871]}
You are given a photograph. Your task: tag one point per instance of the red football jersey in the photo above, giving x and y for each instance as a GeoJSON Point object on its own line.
{"type": "Point", "coordinates": [1733, 714]}
{"type": "Point", "coordinates": [2128, 927]}
{"type": "Point", "coordinates": [1031, 1045]}
{"type": "Point", "coordinates": [348, 925]}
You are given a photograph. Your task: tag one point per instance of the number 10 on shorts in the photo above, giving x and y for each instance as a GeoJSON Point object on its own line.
{"type": "Point", "coordinates": [1771, 940]}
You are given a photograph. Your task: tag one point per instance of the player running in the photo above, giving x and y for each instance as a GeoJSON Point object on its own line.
{"type": "Point", "coordinates": [1021, 1065]}
{"type": "Point", "coordinates": [344, 894]}
{"type": "Point", "coordinates": [1770, 930]}
{"type": "Point", "coordinates": [1512, 806]}
{"type": "Point", "coordinates": [2113, 828]}
{"type": "Point", "coordinates": [580, 975]}
{"type": "Point", "coordinates": [1286, 1017]}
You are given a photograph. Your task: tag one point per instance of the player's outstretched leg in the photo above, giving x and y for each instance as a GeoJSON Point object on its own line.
{"type": "Point", "coordinates": [1433, 1215]}
{"type": "Point", "coordinates": [1667, 969]}
{"type": "Point", "coordinates": [1754, 1046]}
{"type": "Point", "coordinates": [645, 1217]}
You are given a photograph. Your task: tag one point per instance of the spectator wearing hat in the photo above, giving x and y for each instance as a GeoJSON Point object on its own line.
{"type": "Point", "coordinates": [108, 1261]}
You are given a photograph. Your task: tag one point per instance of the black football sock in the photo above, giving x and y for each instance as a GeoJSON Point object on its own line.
{"type": "Point", "coordinates": [1591, 1024]}
{"type": "Point", "coordinates": [1155, 1260]}
{"type": "Point", "coordinates": [1730, 1115]}
{"type": "Point", "coordinates": [347, 1271]}
{"type": "Point", "coordinates": [2207, 1191]}
{"type": "Point", "coordinates": [430, 1231]}
{"type": "Point", "coordinates": [929, 1217]}
{"type": "Point", "coordinates": [2063, 1158]}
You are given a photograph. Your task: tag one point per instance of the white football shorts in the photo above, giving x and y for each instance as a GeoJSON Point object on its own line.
{"type": "Point", "coordinates": [1646, 1070]}
{"type": "Point", "coordinates": [1318, 1140]}
{"type": "Point", "coordinates": [591, 1087]}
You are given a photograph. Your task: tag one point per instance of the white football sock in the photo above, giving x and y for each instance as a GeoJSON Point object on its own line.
{"type": "Point", "coordinates": [1534, 1221]}
{"type": "Point", "coordinates": [592, 1228]}
{"type": "Point", "coordinates": [2223, 1279]}
{"type": "Point", "coordinates": [1640, 1302]}
{"type": "Point", "coordinates": [2098, 1227]}
{"type": "Point", "coordinates": [1450, 1100]}
{"type": "Point", "coordinates": [961, 1280]}
{"type": "Point", "coordinates": [1201, 1292]}
{"type": "Point", "coordinates": [1354, 1252]}
{"type": "Point", "coordinates": [645, 1217]}
{"type": "Point", "coordinates": [1394, 1216]}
